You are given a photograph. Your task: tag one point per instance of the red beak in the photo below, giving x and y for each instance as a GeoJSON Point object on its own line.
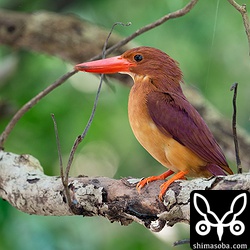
{"type": "Point", "coordinates": [106, 66]}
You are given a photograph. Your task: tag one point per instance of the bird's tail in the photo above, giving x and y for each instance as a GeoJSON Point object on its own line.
{"type": "Point", "coordinates": [218, 170]}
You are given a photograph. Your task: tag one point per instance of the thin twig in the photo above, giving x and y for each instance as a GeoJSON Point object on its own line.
{"type": "Point", "coordinates": [104, 50]}
{"type": "Point", "coordinates": [80, 138]}
{"type": "Point", "coordinates": [237, 155]}
{"type": "Point", "coordinates": [27, 106]}
{"type": "Point", "coordinates": [58, 147]}
{"type": "Point", "coordinates": [175, 14]}
{"type": "Point", "coordinates": [243, 11]}
{"type": "Point", "coordinates": [65, 184]}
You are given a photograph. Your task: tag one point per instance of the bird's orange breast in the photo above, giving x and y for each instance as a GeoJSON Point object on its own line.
{"type": "Point", "coordinates": [163, 148]}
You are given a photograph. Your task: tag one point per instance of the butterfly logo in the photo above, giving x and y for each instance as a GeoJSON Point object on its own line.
{"type": "Point", "coordinates": [210, 219]}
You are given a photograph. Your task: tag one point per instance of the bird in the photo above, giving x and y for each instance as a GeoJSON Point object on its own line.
{"type": "Point", "coordinates": [162, 119]}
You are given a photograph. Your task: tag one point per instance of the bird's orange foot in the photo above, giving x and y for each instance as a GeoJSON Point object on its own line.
{"type": "Point", "coordinates": [145, 181]}
{"type": "Point", "coordinates": [165, 185]}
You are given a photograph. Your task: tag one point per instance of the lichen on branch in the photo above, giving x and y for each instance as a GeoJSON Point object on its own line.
{"type": "Point", "coordinates": [25, 186]}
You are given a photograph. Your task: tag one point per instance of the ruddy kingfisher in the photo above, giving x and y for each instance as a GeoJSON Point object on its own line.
{"type": "Point", "coordinates": [162, 119]}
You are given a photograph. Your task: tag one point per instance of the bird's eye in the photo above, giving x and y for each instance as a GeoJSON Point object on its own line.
{"type": "Point", "coordinates": [138, 58]}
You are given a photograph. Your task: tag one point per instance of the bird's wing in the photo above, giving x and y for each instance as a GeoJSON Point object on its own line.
{"type": "Point", "coordinates": [174, 115]}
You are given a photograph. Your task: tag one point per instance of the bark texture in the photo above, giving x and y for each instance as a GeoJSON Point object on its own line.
{"type": "Point", "coordinates": [25, 186]}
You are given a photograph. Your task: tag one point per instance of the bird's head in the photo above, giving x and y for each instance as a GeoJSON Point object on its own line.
{"type": "Point", "coordinates": [141, 61]}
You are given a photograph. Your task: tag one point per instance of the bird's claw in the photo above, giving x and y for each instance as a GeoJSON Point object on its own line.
{"type": "Point", "coordinates": [165, 185]}
{"type": "Point", "coordinates": [145, 181]}
{"type": "Point", "coordinates": [142, 183]}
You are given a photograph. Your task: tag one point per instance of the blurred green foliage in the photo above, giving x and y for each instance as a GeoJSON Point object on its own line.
{"type": "Point", "coordinates": [211, 46]}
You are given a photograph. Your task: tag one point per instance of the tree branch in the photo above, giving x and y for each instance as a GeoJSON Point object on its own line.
{"type": "Point", "coordinates": [24, 185]}
{"type": "Point", "coordinates": [64, 36]}
{"type": "Point", "coordinates": [243, 11]}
